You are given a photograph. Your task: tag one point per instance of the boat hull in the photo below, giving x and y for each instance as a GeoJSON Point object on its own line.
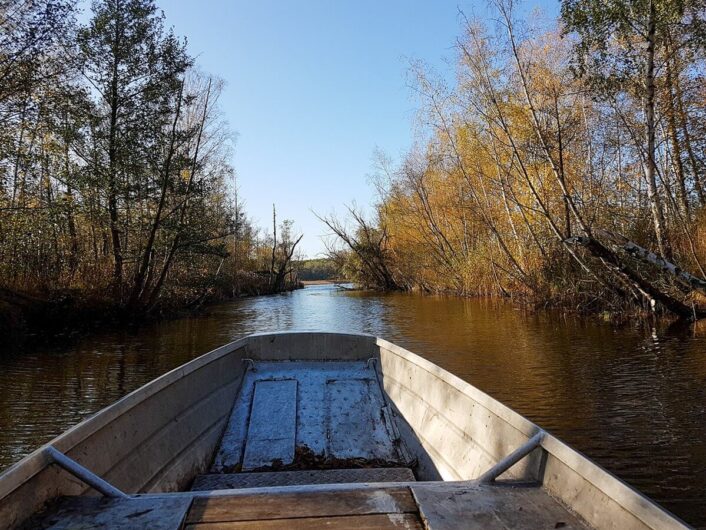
{"type": "Point", "coordinates": [157, 439]}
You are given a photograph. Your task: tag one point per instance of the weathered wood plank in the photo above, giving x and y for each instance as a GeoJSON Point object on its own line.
{"type": "Point", "coordinates": [290, 505]}
{"type": "Point", "coordinates": [273, 424]}
{"type": "Point", "coordinates": [492, 508]}
{"type": "Point", "coordinates": [355, 522]}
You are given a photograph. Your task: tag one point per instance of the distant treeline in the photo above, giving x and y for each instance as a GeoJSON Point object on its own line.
{"type": "Point", "coordinates": [565, 166]}
{"type": "Point", "coordinates": [317, 269]}
{"type": "Point", "coordinates": [116, 188]}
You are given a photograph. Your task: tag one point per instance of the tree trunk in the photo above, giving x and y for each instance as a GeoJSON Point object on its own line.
{"type": "Point", "coordinates": [635, 250]}
{"type": "Point", "coordinates": [647, 289]}
{"type": "Point", "coordinates": [684, 124]}
{"type": "Point", "coordinates": [139, 284]}
{"type": "Point", "coordinates": [112, 171]}
{"type": "Point", "coordinates": [274, 247]}
{"type": "Point", "coordinates": [650, 165]}
{"type": "Point", "coordinates": [676, 147]}
{"type": "Point", "coordinates": [154, 295]}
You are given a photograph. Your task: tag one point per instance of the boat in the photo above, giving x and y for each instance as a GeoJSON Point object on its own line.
{"type": "Point", "coordinates": [314, 430]}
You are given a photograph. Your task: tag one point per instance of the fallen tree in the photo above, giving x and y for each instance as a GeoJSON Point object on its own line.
{"type": "Point", "coordinates": [635, 250]}
{"type": "Point", "coordinates": [609, 254]}
{"type": "Point", "coordinates": [369, 244]}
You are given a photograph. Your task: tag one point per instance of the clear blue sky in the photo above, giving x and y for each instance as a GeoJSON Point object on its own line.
{"type": "Point", "coordinates": [313, 87]}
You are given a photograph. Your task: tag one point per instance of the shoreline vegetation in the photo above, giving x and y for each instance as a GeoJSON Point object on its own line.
{"type": "Point", "coordinates": [563, 168]}
{"type": "Point", "coordinates": [118, 202]}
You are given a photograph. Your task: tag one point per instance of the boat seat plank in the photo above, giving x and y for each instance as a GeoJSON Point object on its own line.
{"type": "Point", "coordinates": [79, 513]}
{"type": "Point", "coordinates": [390, 521]}
{"type": "Point", "coordinates": [273, 424]}
{"type": "Point", "coordinates": [496, 507]}
{"type": "Point", "coordinates": [223, 481]}
{"type": "Point", "coordinates": [286, 506]}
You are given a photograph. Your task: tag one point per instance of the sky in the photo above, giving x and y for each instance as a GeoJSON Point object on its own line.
{"type": "Point", "coordinates": [314, 87]}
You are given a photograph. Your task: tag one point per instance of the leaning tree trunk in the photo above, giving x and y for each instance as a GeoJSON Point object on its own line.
{"type": "Point", "coordinates": [651, 293]}
{"type": "Point", "coordinates": [635, 250]}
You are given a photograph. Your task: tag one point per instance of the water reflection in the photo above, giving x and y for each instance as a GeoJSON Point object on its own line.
{"type": "Point", "coordinates": [632, 399]}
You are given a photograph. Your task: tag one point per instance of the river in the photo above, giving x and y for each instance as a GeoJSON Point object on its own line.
{"type": "Point", "coordinates": [631, 398]}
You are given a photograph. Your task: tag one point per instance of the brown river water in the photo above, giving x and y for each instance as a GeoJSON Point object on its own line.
{"type": "Point", "coordinates": [632, 398]}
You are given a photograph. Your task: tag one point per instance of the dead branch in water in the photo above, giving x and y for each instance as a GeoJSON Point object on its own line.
{"type": "Point", "coordinates": [650, 292]}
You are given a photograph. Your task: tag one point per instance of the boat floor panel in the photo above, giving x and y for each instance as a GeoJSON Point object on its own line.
{"type": "Point", "coordinates": [222, 481]}
{"type": "Point", "coordinates": [308, 415]}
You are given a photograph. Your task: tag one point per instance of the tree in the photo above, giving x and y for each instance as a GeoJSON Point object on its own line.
{"type": "Point", "coordinates": [620, 44]}
{"type": "Point", "coordinates": [136, 70]}
{"type": "Point", "coordinates": [282, 253]}
{"type": "Point", "coordinates": [29, 29]}
{"type": "Point", "coordinates": [115, 166]}
{"type": "Point", "coordinates": [369, 245]}
{"type": "Point", "coordinates": [530, 182]}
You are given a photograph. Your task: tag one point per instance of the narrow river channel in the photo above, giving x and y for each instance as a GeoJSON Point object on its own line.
{"type": "Point", "coordinates": [633, 399]}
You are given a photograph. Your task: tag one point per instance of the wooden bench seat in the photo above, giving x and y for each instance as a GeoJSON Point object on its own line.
{"type": "Point", "coordinates": [353, 509]}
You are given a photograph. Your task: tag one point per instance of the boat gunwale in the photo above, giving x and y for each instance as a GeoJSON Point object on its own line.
{"type": "Point", "coordinates": [30, 465]}
{"type": "Point", "coordinates": [645, 509]}
{"type": "Point", "coordinates": [23, 470]}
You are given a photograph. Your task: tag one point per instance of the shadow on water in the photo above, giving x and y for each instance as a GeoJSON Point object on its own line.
{"type": "Point", "coordinates": [632, 399]}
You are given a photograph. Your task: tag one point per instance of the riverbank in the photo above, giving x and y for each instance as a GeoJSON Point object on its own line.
{"type": "Point", "coordinates": [28, 319]}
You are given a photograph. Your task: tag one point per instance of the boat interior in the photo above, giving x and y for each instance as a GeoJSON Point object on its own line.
{"type": "Point", "coordinates": [314, 430]}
